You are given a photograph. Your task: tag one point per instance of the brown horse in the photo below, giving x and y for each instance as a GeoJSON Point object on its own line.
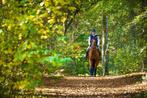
{"type": "Point", "coordinates": [93, 57]}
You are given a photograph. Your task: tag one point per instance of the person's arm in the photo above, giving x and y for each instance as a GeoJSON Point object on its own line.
{"type": "Point", "coordinates": [98, 41]}
{"type": "Point", "coordinates": [89, 40]}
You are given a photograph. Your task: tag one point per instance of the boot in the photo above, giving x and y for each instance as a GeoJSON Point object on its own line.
{"type": "Point", "coordinates": [86, 54]}
{"type": "Point", "coordinates": [87, 51]}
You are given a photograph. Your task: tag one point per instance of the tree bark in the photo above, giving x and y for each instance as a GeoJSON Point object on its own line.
{"type": "Point", "coordinates": [105, 53]}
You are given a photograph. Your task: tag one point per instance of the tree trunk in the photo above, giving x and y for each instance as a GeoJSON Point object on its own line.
{"type": "Point", "coordinates": [106, 50]}
{"type": "Point", "coordinates": [105, 56]}
{"type": "Point", "coordinates": [103, 47]}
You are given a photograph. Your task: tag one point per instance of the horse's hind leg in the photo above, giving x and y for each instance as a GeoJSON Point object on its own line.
{"type": "Point", "coordinates": [94, 73]}
{"type": "Point", "coordinates": [91, 70]}
{"type": "Point", "coordinates": [95, 67]}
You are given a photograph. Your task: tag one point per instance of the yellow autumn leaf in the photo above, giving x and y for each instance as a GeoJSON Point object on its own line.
{"type": "Point", "coordinates": [44, 37]}
{"type": "Point", "coordinates": [72, 8]}
{"type": "Point", "coordinates": [46, 3]}
{"type": "Point", "coordinates": [29, 46]}
{"type": "Point", "coordinates": [51, 21]}
{"type": "Point", "coordinates": [20, 36]}
{"type": "Point", "coordinates": [60, 32]}
{"type": "Point", "coordinates": [31, 17]}
{"type": "Point", "coordinates": [1, 62]}
{"type": "Point", "coordinates": [43, 15]}
{"type": "Point", "coordinates": [40, 31]}
{"type": "Point", "coordinates": [9, 27]}
{"type": "Point", "coordinates": [22, 84]}
{"type": "Point", "coordinates": [63, 19]}
{"type": "Point", "coordinates": [9, 50]}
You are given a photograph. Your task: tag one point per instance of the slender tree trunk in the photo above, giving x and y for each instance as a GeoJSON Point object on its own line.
{"type": "Point", "coordinates": [106, 51]}
{"type": "Point", "coordinates": [103, 47]}
{"type": "Point", "coordinates": [105, 56]}
{"type": "Point", "coordinates": [142, 66]}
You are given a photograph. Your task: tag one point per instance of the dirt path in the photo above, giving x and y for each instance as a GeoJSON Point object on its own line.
{"type": "Point", "coordinates": [124, 86]}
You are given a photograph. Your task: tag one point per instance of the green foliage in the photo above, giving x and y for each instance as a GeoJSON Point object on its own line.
{"type": "Point", "coordinates": [76, 67]}
{"type": "Point", "coordinates": [28, 49]}
{"type": "Point", "coordinates": [121, 65]}
{"type": "Point", "coordinates": [39, 37]}
{"type": "Point", "coordinates": [126, 29]}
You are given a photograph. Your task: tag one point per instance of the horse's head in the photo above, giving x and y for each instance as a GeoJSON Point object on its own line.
{"type": "Point", "coordinates": [93, 43]}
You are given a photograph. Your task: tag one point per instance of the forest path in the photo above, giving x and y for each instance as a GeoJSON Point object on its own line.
{"type": "Point", "coordinates": [125, 86]}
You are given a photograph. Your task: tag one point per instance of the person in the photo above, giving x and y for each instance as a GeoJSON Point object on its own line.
{"type": "Point", "coordinates": [92, 35]}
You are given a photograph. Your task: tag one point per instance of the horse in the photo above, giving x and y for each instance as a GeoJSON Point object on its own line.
{"type": "Point", "coordinates": [93, 58]}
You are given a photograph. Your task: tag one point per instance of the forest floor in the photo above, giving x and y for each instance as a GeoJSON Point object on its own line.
{"type": "Point", "coordinates": [125, 86]}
